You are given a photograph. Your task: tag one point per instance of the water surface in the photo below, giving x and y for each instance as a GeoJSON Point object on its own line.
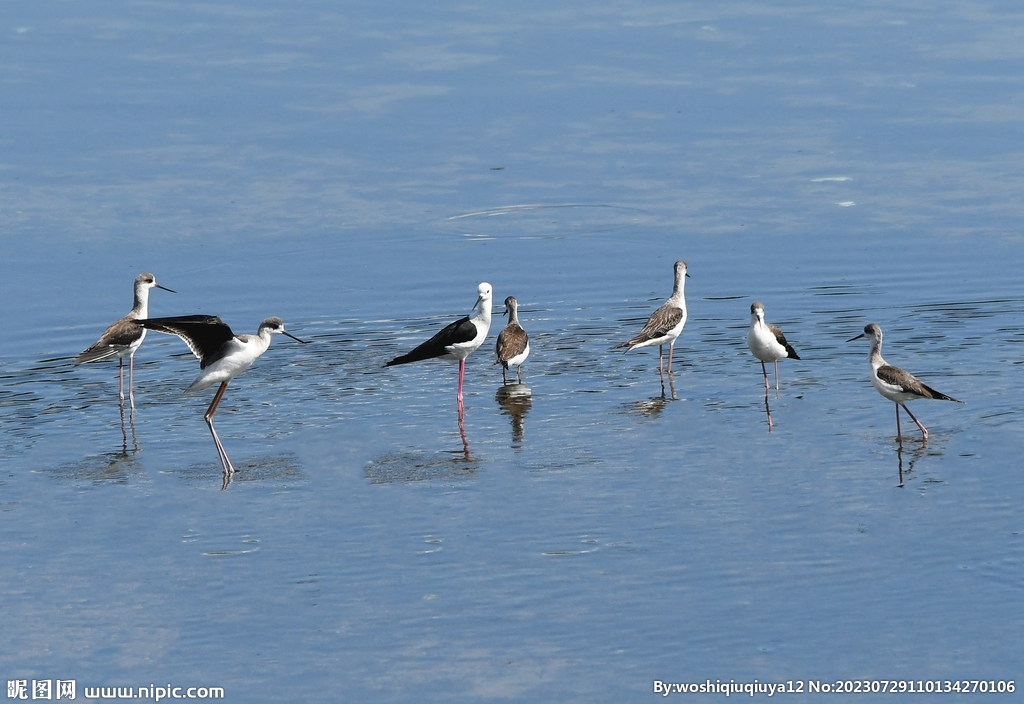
{"type": "Point", "coordinates": [358, 171]}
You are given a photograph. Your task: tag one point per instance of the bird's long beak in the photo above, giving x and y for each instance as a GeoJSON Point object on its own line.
{"type": "Point", "coordinates": [305, 342]}
{"type": "Point", "coordinates": [687, 274]}
{"type": "Point", "coordinates": [164, 288]}
{"type": "Point", "coordinates": [856, 338]}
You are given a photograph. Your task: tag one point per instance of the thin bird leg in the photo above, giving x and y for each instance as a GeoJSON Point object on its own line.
{"type": "Point", "coordinates": [120, 379]}
{"type": "Point", "coordinates": [222, 454]}
{"type": "Point", "coordinates": [208, 417]}
{"type": "Point", "coordinates": [776, 378]}
{"type": "Point", "coordinates": [465, 442]}
{"type": "Point", "coordinates": [462, 373]}
{"type": "Point", "coordinates": [768, 411]}
{"type": "Point", "coordinates": [131, 379]}
{"type": "Point", "coordinates": [899, 435]}
{"type": "Point", "coordinates": [504, 381]}
{"type": "Point", "coordinates": [924, 431]}
{"type": "Point", "coordinates": [671, 349]}
{"type": "Point", "coordinates": [225, 463]}
{"type": "Point", "coordinates": [519, 373]}
{"type": "Point", "coordinates": [765, 372]}
{"type": "Point", "coordinates": [661, 368]}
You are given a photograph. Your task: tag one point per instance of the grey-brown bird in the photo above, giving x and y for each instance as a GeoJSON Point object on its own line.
{"type": "Point", "coordinates": [513, 345]}
{"type": "Point", "coordinates": [895, 384]}
{"type": "Point", "coordinates": [666, 323]}
{"type": "Point", "coordinates": [125, 336]}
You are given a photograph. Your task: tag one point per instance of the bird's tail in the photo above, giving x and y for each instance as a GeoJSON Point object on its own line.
{"type": "Point", "coordinates": [416, 355]}
{"type": "Point", "coordinates": [96, 354]}
{"type": "Point", "coordinates": [939, 396]}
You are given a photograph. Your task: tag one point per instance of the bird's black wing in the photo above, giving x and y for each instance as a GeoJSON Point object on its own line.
{"type": "Point", "coordinates": [204, 334]}
{"type": "Point", "coordinates": [461, 330]}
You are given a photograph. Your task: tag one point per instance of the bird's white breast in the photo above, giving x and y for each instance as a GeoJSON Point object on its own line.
{"type": "Point", "coordinates": [763, 345]}
{"type": "Point", "coordinates": [239, 357]}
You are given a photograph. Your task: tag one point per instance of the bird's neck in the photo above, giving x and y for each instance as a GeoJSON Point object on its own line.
{"type": "Point", "coordinates": [141, 308]}
{"type": "Point", "coordinates": [876, 355]}
{"type": "Point", "coordinates": [263, 337]}
{"type": "Point", "coordinates": [677, 291]}
{"type": "Point", "coordinates": [482, 312]}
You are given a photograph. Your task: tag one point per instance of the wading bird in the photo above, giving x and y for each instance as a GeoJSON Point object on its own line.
{"type": "Point", "coordinates": [222, 356]}
{"type": "Point", "coordinates": [666, 323]}
{"type": "Point", "coordinates": [897, 385]}
{"type": "Point", "coordinates": [767, 343]}
{"type": "Point", "coordinates": [457, 340]}
{"type": "Point", "coordinates": [125, 336]}
{"type": "Point", "coordinates": [513, 346]}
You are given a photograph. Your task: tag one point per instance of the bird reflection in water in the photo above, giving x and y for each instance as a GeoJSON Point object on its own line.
{"type": "Point", "coordinates": [915, 455]}
{"type": "Point", "coordinates": [515, 401]}
{"type": "Point", "coordinates": [124, 432]}
{"type": "Point", "coordinates": [653, 406]}
{"type": "Point", "coordinates": [767, 409]}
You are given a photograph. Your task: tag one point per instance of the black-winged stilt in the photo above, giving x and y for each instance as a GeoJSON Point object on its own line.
{"type": "Point", "coordinates": [222, 355]}
{"type": "Point", "coordinates": [457, 340]}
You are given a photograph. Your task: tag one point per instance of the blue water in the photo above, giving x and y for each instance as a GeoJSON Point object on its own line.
{"type": "Point", "coordinates": [358, 170]}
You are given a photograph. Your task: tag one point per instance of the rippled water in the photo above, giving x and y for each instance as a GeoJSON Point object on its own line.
{"type": "Point", "coordinates": [358, 172]}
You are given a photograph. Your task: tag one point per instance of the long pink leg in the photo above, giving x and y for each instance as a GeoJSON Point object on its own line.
{"type": "Point", "coordinates": [462, 373]}
{"type": "Point", "coordinates": [899, 435]}
{"type": "Point", "coordinates": [924, 431]}
{"type": "Point", "coordinates": [120, 379]}
{"type": "Point", "coordinates": [465, 442]}
{"type": "Point", "coordinates": [765, 372]}
{"type": "Point", "coordinates": [671, 349]}
{"type": "Point", "coordinates": [208, 417]}
{"type": "Point", "coordinates": [776, 378]}
{"type": "Point", "coordinates": [661, 368]}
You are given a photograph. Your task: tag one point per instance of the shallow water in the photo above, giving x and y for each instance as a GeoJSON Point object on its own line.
{"type": "Point", "coordinates": [358, 172]}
